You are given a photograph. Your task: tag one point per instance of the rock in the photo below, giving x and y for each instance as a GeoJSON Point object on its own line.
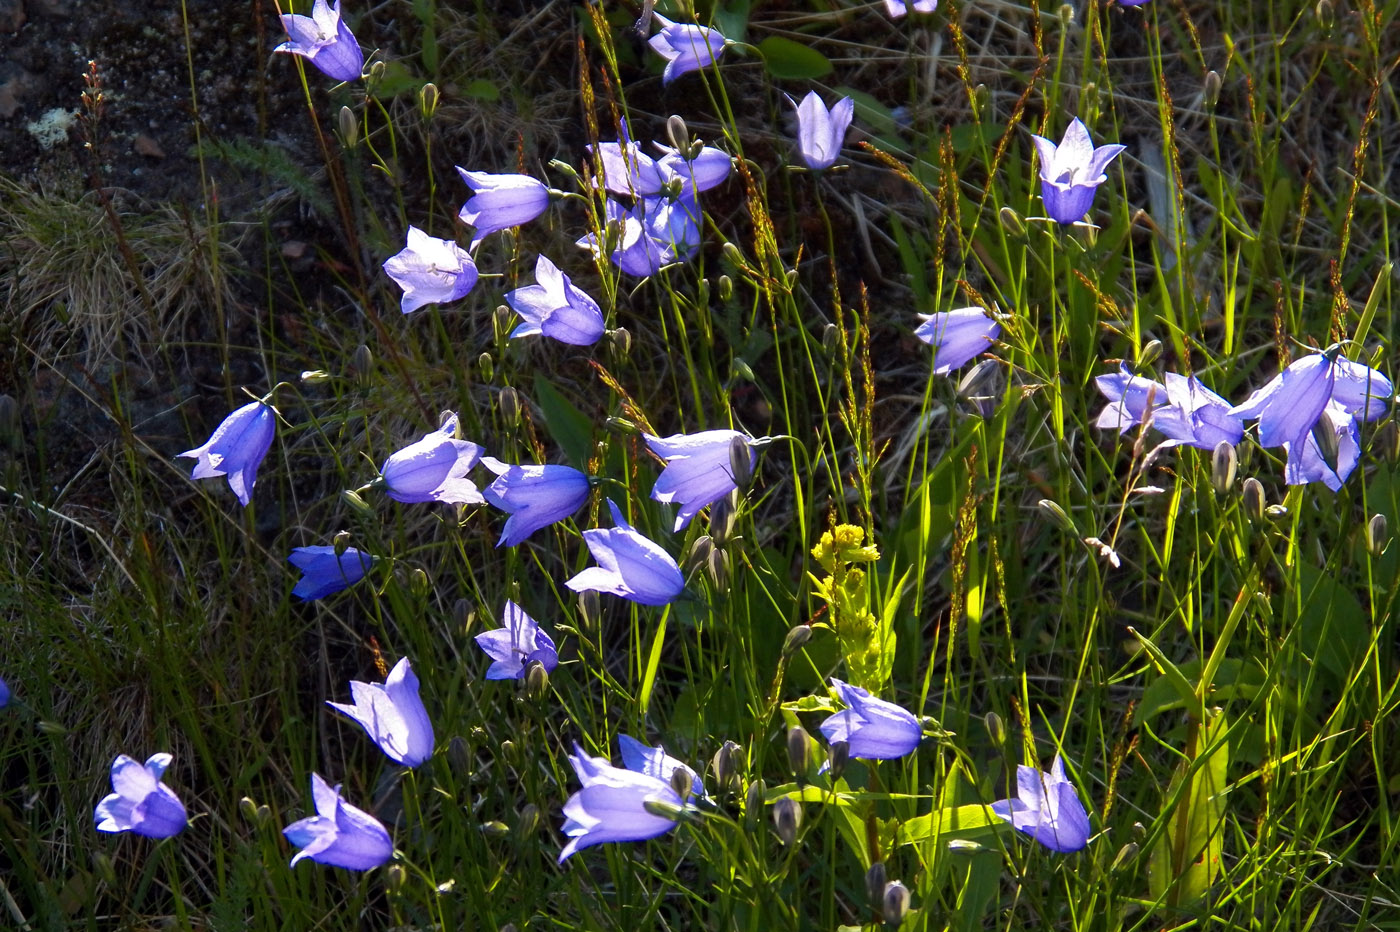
{"type": "Point", "coordinates": [147, 146]}
{"type": "Point", "coordinates": [15, 85]}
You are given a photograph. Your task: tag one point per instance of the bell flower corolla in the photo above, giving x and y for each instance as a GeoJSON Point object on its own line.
{"type": "Point", "coordinates": [554, 307]}
{"type": "Point", "coordinates": [4, 693]}
{"type": "Point", "coordinates": [616, 805]}
{"type": "Point", "coordinates": [820, 132]}
{"type": "Point", "coordinates": [533, 496]}
{"type": "Point", "coordinates": [698, 470]}
{"type": "Point", "coordinates": [655, 762]}
{"type": "Point", "coordinates": [1071, 172]}
{"type": "Point", "coordinates": [686, 47]}
{"type": "Point", "coordinates": [898, 8]}
{"type": "Point", "coordinates": [1130, 398]}
{"type": "Point", "coordinates": [324, 40]}
{"type": "Point", "coordinates": [873, 729]}
{"type": "Point", "coordinates": [1290, 404]}
{"type": "Point", "coordinates": [323, 573]}
{"type": "Point", "coordinates": [500, 202]}
{"type": "Point", "coordinates": [1047, 808]}
{"type": "Point", "coordinates": [236, 448]}
{"type": "Point", "coordinates": [516, 644]}
{"type": "Point", "coordinates": [141, 803]}
{"type": "Point", "coordinates": [392, 715]}
{"type": "Point", "coordinates": [957, 336]}
{"type": "Point", "coordinates": [629, 565]}
{"type": "Point", "coordinates": [339, 834]}
{"type": "Point", "coordinates": [1306, 460]}
{"type": "Point", "coordinates": [430, 271]}
{"type": "Point", "coordinates": [434, 469]}
{"type": "Point", "coordinates": [650, 235]}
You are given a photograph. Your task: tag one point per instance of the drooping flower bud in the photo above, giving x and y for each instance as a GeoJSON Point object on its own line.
{"type": "Point", "coordinates": [787, 819]}
{"type": "Point", "coordinates": [1223, 463]}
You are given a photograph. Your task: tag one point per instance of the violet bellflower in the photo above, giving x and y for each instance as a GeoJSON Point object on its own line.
{"type": "Point", "coordinates": [554, 307]}
{"type": "Point", "coordinates": [323, 573]}
{"type": "Point", "coordinates": [324, 40]}
{"type": "Point", "coordinates": [612, 805]}
{"type": "Point", "coordinates": [4, 693]}
{"type": "Point", "coordinates": [1047, 808]}
{"type": "Point", "coordinates": [627, 170]}
{"type": "Point", "coordinates": [652, 234]}
{"type": "Point", "coordinates": [898, 8]}
{"type": "Point", "coordinates": [434, 469]}
{"type": "Point", "coordinates": [236, 448]}
{"type": "Point", "coordinates": [686, 47]}
{"type": "Point", "coordinates": [698, 470]}
{"type": "Point", "coordinates": [820, 132]}
{"type": "Point", "coordinates": [629, 565]}
{"type": "Point", "coordinates": [1071, 172]}
{"type": "Point", "coordinates": [392, 715]}
{"type": "Point", "coordinates": [873, 729]}
{"type": "Point", "coordinates": [339, 835]}
{"type": "Point", "coordinates": [957, 336]}
{"type": "Point", "coordinates": [141, 803]}
{"type": "Point", "coordinates": [1183, 409]}
{"type": "Point", "coordinates": [500, 202]}
{"type": "Point", "coordinates": [533, 496]}
{"type": "Point", "coordinates": [655, 762]}
{"type": "Point", "coordinates": [516, 644]}
{"type": "Point", "coordinates": [430, 271]}
{"type": "Point", "coordinates": [1290, 404]}
{"type": "Point", "coordinates": [1306, 461]}
{"type": "Point", "coordinates": [1130, 398]}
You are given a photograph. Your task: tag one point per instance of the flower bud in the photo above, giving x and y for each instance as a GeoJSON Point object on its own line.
{"type": "Point", "coordinates": [699, 555]}
{"type": "Point", "coordinates": [722, 516]}
{"type": "Point", "coordinates": [682, 782]}
{"type": "Point", "coordinates": [314, 376]}
{"type": "Point", "coordinates": [527, 821]}
{"type": "Point", "coordinates": [831, 339]}
{"type": "Point", "coordinates": [620, 342]}
{"type": "Point", "coordinates": [1147, 356]}
{"type": "Point", "coordinates": [797, 638]}
{"type": "Point", "coordinates": [996, 728]}
{"type": "Point", "coordinates": [1252, 499]}
{"type": "Point", "coordinates": [726, 288]}
{"type": "Point", "coordinates": [495, 829]}
{"type": "Point", "coordinates": [622, 426]}
{"type": "Point", "coordinates": [702, 294]}
{"type": "Point", "coordinates": [1326, 16]}
{"type": "Point", "coordinates": [464, 616]}
{"type": "Point", "coordinates": [664, 808]}
{"type": "Point", "coordinates": [357, 503]}
{"type": "Point", "coordinates": [982, 102]}
{"type": "Point", "coordinates": [787, 819]}
{"type": "Point", "coordinates": [341, 543]}
{"type": "Point", "coordinates": [509, 402]}
{"type": "Point", "coordinates": [1125, 856]}
{"type": "Point", "coordinates": [719, 569]}
{"type": "Point", "coordinates": [10, 432]}
{"type": "Point", "coordinates": [1223, 463]}
{"type": "Point", "coordinates": [726, 767]}
{"type": "Point", "coordinates": [791, 279]}
{"type": "Point", "coordinates": [742, 370]}
{"type": "Point", "coordinates": [1057, 515]}
{"type": "Point", "coordinates": [896, 904]}
{"type": "Point", "coordinates": [837, 757]}
{"type": "Point", "coordinates": [1066, 13]}
{"type": "Point", "coordinates": [1012, 223]}
{"type": "Point", "coordinates": [376, 72]}
{"type": "Point", "coordinates": [48, 727]}
{"type": "Point", "coordinates": [1276, 512]}
{"type": "Point", "coordinates": [1386, 441]}
{"type": "Point", "coordinates": [418, 582]}
{"type": "Point", "coordinates": [102, 864]}
{"type": "Point", "coordinates": [753, 799]}
{"type": "Point", "coordinates": [394, 877]}
{"type": "Point", "coordinates": [428, 99]}
{"type": "Point", "coordinates": [590, 609]}
{"type": "Point", "coordinates": [799, 753]}
{"type": "Point", "coordinates": [875, 880]}
{"type": "Point", "coordinates": [741, 461]}
{"type": "Point", "coordinates": [248, 809]}
{"type": "Point", "coordinates": [487, 365]}
{"type": "Point", "coordinates": [1210, 89]}
{"type": "Point", "coordinates": [1324, 434]}
{"type": "Point", "coordinates": [349, 128]}
{"type": "Point", "coordinates": [500, 321]}
{"type": "Point", "coordinates": [362, 365]}
{"type": "Point", "coordinates": [536, 680]}
{"type": "Point", "coordinates": [1377, 535]}
{"type": "Point", "coordinates": [732, 254]}
{"type": "Point", "coordinates": [459, 756]}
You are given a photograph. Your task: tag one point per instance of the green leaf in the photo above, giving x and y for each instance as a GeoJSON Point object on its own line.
{"type": "Point", "coordinates": [964, 821]}
{"type": "Point", "coordinates": [1332, 626]}
{"type": "Point", "coordinates": [1233, 678]}
{"type": "Point", "coordinates": [482, 89]}
{"type": "Point", "coordinates": [785, 58]}
{"type": "Point", "coordinates": [567, 424]}
{"type": "Point", "coordinates": [1186, 858]}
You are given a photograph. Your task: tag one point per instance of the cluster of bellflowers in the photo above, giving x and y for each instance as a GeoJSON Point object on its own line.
{"type": "Point", "coordinates": [652, 219]}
